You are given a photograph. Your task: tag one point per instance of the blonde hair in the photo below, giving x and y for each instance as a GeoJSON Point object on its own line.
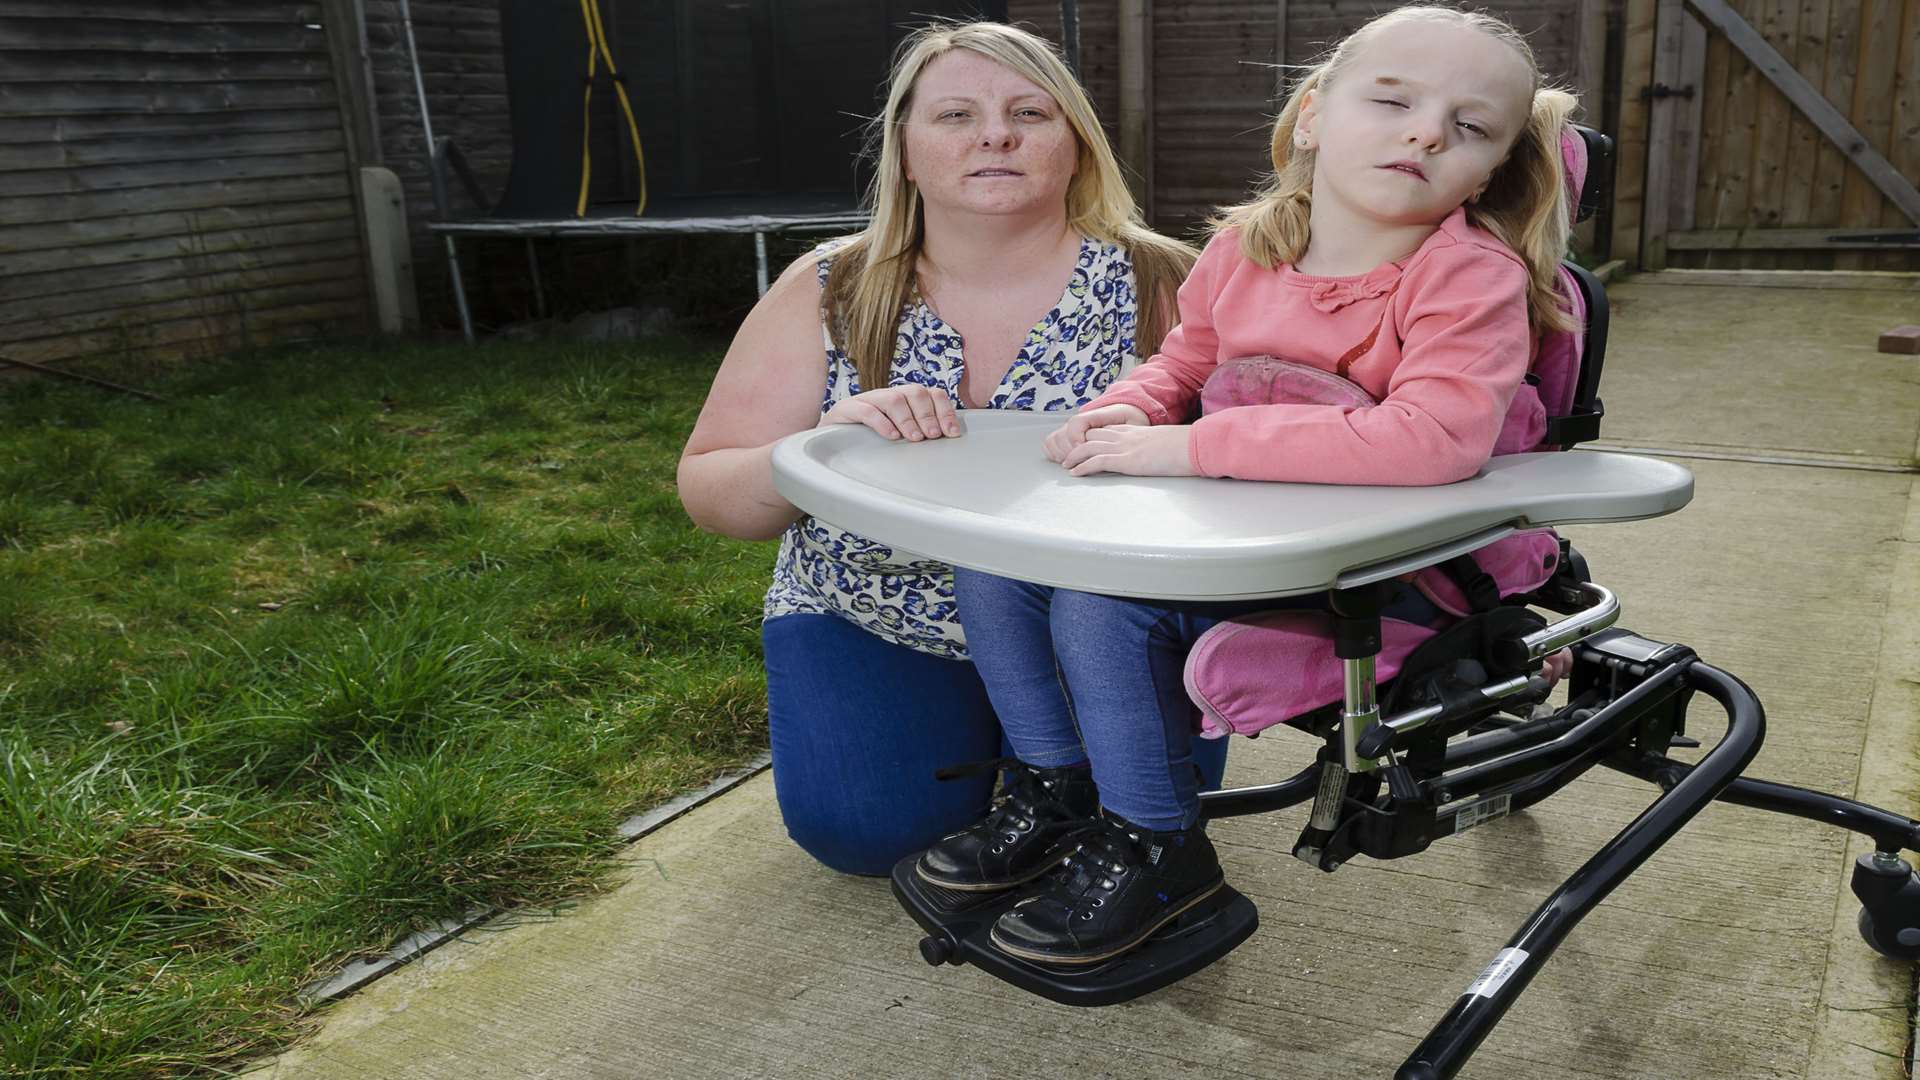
{"type": "Point", "coordinates": [1524, 205]}
{"type": "Point", "coordinates": [872, 277]}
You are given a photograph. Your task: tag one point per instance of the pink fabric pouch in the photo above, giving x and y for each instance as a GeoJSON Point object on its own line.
{"type": "Point", "coordinates": [1264, 380]}
{"type": "Point", "coordinates": [1250, 673]}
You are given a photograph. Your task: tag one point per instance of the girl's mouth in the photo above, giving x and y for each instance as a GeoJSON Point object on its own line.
{"type": "Point", "coordinates": [1407, 167]}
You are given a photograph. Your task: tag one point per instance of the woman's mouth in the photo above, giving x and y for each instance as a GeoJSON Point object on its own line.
{"type": "Point", "coordinates": [995, 173]}
{"type": "Point", "coordinates": [1407, 167]}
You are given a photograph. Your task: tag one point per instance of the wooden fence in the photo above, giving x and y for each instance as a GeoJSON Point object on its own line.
{"type": "Point", "coordinates": [1771, 134]}
{"type": "Point", "coordinates": [174, 178]}
{"type": "Point", "coordinates": [1188, 89]}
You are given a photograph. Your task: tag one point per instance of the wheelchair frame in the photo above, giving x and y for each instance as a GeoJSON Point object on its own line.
{"type": "Point", "coordinates": [1388, 787]}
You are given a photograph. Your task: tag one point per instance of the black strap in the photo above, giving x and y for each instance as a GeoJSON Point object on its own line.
{"type": "Point", "coordinates": [1483, 593]}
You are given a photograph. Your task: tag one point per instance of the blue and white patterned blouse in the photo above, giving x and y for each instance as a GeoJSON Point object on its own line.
{"type": "Point", "coordinates": [1068, 359]}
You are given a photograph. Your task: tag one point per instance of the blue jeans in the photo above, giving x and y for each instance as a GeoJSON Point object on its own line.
{"type": "Point", "coordinates": [858, 725]}
{"type": "Point", "coordinates": [1077, 675]}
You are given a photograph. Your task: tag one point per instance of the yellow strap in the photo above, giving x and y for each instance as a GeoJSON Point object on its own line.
{"type": "Point", "coordinates": [596, 48]}
{"type": "Point", "coordinates": [586, 113]}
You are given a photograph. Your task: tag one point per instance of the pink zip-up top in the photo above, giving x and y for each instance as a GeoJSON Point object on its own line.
{"type": "Point", "coordinates": [1439, 338]}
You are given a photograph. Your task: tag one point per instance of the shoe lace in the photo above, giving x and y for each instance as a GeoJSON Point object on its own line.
{"type": "Point", "coordinates": [1089, 873]}
{"type": "Point", "coordinates": [1018, 807]}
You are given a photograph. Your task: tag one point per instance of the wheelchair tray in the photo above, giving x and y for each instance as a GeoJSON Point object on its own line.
{"type": "Point", "coordinates": [990, 500]}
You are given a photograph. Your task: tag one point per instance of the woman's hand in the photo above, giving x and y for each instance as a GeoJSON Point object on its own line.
{"type": "Point", "coordinates": [1074, 431]}
{"type": "Point", "coordinates": [1132, 449]}
{"type": "Point", "coordinates": [908, 411]}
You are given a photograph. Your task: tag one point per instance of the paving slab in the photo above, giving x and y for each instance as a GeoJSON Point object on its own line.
{"type": "Point", "coordinates": [1731, 953]}
{"type": "Point", "coordinates": [1788, 371]}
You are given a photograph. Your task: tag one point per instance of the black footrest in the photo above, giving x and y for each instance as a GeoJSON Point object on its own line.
{"type": "Point", "coordinates": [957, 924]}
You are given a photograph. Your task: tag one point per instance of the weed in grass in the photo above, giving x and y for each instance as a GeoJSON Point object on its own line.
{"type": "Point", "coordinates": [18, 522]}
{"type": "Point", "coordinates": [420, 839]}
{"type": "Point", "coordinates": [360, 590]}
{"type": "Point", "coordinates": [197, 460]}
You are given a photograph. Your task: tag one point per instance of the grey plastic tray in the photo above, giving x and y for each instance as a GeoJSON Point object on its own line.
{"type": "Point", "coordinates": [992, 501]}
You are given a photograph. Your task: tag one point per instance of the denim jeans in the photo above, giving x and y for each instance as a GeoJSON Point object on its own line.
{"type": "Point", "coordinates": [858, 725]}
{"type": "Point", "coordinates": [1077, 675]}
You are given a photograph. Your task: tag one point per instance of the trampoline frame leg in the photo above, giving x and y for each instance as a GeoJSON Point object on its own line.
{"type": "Point", "coordinates": [533, 271]}
{"type": "Point", "coordinates": [459, 291]}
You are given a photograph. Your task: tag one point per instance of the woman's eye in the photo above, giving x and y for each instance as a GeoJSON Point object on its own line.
{"type": "Point", "coordinates": [952, 114]}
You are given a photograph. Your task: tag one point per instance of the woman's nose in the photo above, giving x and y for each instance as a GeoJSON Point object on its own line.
{"type": "Point", "coordinates": [998, 135]}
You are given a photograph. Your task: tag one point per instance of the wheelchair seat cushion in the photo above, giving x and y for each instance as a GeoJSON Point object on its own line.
{"type": "Point", "coordinates": [1250, 673]}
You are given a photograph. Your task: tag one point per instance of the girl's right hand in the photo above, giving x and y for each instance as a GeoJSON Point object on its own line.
{"type": "Point", "coordinates": [908, 411]}
{"type": "Point", "coordinates": [1074, 431]}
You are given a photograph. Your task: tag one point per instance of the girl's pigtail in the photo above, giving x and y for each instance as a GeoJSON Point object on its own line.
{"type": "Point", "coordinates": [1274, 224]}
{"type": "Point", "coordinates": [1526, 206]}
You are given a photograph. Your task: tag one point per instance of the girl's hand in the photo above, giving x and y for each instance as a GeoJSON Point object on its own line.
{"type": "Point", "coordinates": [1074, 431]}
{"type": "Point", "coordinates": [1133, 449]}
{"type": "Point", "coordinates": [908, 411]}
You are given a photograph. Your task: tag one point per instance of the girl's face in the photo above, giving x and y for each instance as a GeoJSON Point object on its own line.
{"type": "Point", "coordinates": [1416, 122]}
{"type": "Point", "coordinates": [981, 138]}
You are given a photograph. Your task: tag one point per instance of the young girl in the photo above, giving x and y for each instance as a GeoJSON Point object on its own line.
{"type": "Point", "coordinates": [1408, 242]}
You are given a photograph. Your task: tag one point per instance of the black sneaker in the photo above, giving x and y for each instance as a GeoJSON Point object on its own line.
{"type": "Point", "coordinates": [1025, 834]}
{"type": "Point", "coordinates": [1120, 884]}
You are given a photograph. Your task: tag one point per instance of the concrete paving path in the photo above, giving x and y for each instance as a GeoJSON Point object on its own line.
{"type": "Point", "coordinates": [1732, 953]}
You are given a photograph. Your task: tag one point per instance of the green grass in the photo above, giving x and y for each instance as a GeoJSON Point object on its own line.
{"type": "Point", "coordinates": [338, 643]}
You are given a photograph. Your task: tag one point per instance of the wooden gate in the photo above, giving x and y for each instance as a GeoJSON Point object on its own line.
{"type": "Point", "coordinates": [1770, 134]}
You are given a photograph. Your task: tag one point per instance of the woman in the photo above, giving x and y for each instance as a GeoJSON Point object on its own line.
{"type": "Point", "coordinates": [1000, 270]}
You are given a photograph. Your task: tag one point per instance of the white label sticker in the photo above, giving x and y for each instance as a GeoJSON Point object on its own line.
{"type": "Point", "coordinates": [1479, 812]}
{"type": "Point", "coordinates": [1505, 963]}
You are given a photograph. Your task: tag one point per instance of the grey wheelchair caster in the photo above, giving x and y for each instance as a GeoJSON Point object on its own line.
{"type": "Point", "coordinates": [1889, 893]}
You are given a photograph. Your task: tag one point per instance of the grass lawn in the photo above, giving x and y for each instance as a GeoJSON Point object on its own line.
{"type": "Point", "coordinates": [338, 643]}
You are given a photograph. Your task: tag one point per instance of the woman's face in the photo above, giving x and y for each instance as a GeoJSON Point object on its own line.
{"type": "Point", "coordinates": [980, 138]}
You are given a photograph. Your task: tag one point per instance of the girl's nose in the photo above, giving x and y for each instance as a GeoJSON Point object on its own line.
{"type": "Point", "coordinates": [1427, 133]}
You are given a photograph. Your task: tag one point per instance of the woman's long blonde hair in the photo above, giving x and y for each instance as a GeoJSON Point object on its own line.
{"type": "Point", "coordinates": [872, 277]}
{"type": "Point", "coordinates": [1525, 203]}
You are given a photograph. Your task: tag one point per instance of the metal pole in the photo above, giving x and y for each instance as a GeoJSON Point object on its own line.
{"type": "Point", "coordinates": [760, 259]}
{"type": "Point", "coordinates": [1488, 997]}
{"type": "Point", "coordinates": [426, 128]}
{"type": "Point", "coordinates": [533, 269]}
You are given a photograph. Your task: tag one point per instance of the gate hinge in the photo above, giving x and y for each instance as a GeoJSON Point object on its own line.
{"type": "Point", "coordinates": [1662, 90]}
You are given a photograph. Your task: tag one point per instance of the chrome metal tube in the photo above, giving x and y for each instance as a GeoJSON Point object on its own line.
{"type": "Point", "coordinates": [1360, 711]}
{"type": "Point", "coordinates": [1579, 626]}
{"type": "Point", "coordinates": [1421, 717]}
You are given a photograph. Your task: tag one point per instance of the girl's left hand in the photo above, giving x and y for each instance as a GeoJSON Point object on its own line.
{"type": "Point", "coordinates": [1134, 450]}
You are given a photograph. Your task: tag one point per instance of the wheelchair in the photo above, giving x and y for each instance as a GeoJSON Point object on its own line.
{"type": "Point", "coordinates": [1462, 734]}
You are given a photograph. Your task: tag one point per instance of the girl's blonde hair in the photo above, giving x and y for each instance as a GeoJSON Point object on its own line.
{"type": "Point", "coordinates": [1525, 203]}
{"type": "Point", "coordinates": [872, 277]}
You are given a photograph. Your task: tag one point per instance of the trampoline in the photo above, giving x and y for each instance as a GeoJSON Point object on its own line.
{"type": "Point", "coordinates": [757, 139]}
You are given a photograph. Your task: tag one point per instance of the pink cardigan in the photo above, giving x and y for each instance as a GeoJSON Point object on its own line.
{"type": "Point", "coordinates": [1439, 338]}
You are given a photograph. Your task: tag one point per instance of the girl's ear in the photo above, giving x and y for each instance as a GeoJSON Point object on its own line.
{"type": "Point", "coordinates": [1305, 122]}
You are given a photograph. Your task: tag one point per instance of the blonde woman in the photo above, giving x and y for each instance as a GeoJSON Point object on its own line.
{"type": "Point", "coordinates": [1005, 268]}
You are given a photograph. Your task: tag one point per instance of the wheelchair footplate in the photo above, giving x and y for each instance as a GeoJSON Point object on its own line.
{"type": "Point", "coordinates": [957, 924]}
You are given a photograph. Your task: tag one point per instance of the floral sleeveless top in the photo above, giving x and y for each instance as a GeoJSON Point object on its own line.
{"type": "Point", "coordinates": [1070, 356]}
